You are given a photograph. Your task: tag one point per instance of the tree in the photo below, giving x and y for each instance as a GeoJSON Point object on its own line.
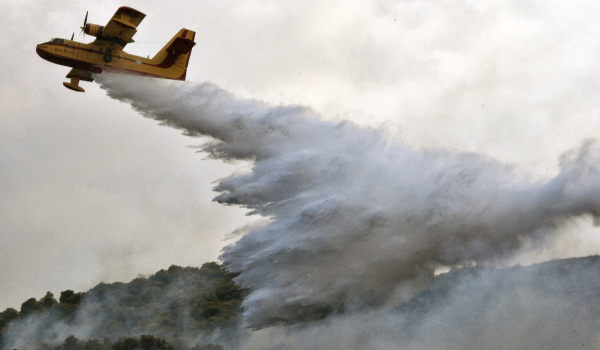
{"type": "Point", "coordinates": [6, 316]}
{"type": "Point", "coordinates": [30, 306]}
{"type": "Point", "coordinates": [149, 342]}
{"type": "Point", "coordinates": [72, 343]}
{"type": "Point", "coordinates": [69, 297]}
{"type": "Point", "coordinates": [94, 344]}
{"type": "Point", "coordinates": [128, 343]}
{"type": "Point", "coordinates": [48, 302]}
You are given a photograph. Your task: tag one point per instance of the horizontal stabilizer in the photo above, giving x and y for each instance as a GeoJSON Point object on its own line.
{"type": "Point", "coordinates": [181, 46]}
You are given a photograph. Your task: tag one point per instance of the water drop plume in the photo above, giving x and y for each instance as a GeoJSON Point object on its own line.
{"type": "Point", "coordinates": [356, 218]}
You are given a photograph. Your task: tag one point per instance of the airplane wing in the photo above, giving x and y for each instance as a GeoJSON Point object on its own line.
{"type": "Point", "coordinates": [121, 27]}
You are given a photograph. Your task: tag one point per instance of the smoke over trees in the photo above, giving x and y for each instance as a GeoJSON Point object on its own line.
{"type": "Point", "coordinates": [180, 304]}
{"type": "Point", "coordinates": [548, 305]}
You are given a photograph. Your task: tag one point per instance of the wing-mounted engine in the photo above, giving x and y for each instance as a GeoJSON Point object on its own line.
{"type": "Point", "coordinates": [90, 29]}
{"type": "Point", "coordinates": [93, 30]}
{"type": "Point", "coordinates": [119, 30]}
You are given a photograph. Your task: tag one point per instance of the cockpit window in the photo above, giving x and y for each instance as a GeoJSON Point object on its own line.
{"type": "Point", "coordinates": [58, 41]}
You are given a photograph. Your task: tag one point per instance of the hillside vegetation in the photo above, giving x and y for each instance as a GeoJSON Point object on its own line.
{"type": "Point", "coordinates": [177, 305]}
{"type": "Point", "coordinates": [548, 305]}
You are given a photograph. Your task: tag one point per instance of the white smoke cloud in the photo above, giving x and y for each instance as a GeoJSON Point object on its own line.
{"type": "Point", "coordinates": [357, 219]}
{"type": "Point", "coordinates": [549, 306]}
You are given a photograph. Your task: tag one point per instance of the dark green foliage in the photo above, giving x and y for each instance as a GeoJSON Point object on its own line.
{"type": "Point", "coordinates": [68, 304]}
{"type": "Point", "coordinates": [7, 315]}
{"type": "Point", "coordinates": [30, 306]}
{"type": "Point", "coordinates": [70, 297]}
{"type": "Point", "coordinates": [72, 343]}
{"type": "Point", "coordinates": [178, 304]}
{"type": "Point", "coordinates": [128, 343]}
{"type": "Point", "coordinates": [95, 344]}
{"type": "Point", "coordinates": [171, 303]}
{"type": "Point", "coordinates": [149, 342]}
{"type": "Point", "coordinates": [144, 342]}
{"type": "Point", "coordinates": [48, 302]}
{"type": "Point", "coordinates": [208, 346]}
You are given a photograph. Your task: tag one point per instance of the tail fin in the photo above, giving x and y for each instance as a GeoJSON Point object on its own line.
{"type": "Point", "coordinates": [175, 56]}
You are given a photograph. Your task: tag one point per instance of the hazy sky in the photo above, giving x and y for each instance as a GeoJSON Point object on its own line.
{"type": "Point", "coordinates": [91, 191]}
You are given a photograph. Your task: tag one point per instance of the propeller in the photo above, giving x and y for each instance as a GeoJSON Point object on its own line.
{"type": "Point", "coordinates": [84, 24]}
{"type": "Point", "coordinates": [72, 36]}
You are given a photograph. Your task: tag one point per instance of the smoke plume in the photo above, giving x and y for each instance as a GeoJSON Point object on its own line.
{"type": "Point", "coordinates": [552, 305]}
{"type": "Point", "coordinates": [357, 220]}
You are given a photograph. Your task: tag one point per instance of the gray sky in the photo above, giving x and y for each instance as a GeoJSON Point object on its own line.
{"type": "Point", "coordinates": [91, 191]}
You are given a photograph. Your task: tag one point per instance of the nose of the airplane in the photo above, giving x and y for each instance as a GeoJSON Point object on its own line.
{"type": "Point", "coordinates": [38, 48]}
{"type": "Point", "coordinates": [42, 52]}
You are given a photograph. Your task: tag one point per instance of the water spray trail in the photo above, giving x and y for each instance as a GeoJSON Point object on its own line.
{"type": "Point", "coordinates": [356, 218]}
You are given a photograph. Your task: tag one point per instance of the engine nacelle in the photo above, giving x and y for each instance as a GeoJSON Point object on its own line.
{"type": "Point", "coordinates": [93, 30]}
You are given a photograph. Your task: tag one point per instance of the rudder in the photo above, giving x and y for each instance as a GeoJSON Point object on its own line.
{"type": "Point", "coordinates": [175, 55]}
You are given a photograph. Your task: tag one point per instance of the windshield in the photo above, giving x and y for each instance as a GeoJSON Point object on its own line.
{"type": "Point", "coordinates": [59, 41]}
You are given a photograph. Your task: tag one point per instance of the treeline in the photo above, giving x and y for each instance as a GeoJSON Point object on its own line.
{"type": "Point", "coordinates": [177, 305]}
{"type": "Point", "coordinates": [144, 342]}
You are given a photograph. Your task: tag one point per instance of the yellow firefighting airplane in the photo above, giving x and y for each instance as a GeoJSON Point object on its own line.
{"type": "Point", "coordinates": [106, 52]}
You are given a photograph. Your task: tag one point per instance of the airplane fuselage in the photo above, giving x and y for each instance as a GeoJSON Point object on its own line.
{"type": "Point", "coordinates": [95, 59]}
